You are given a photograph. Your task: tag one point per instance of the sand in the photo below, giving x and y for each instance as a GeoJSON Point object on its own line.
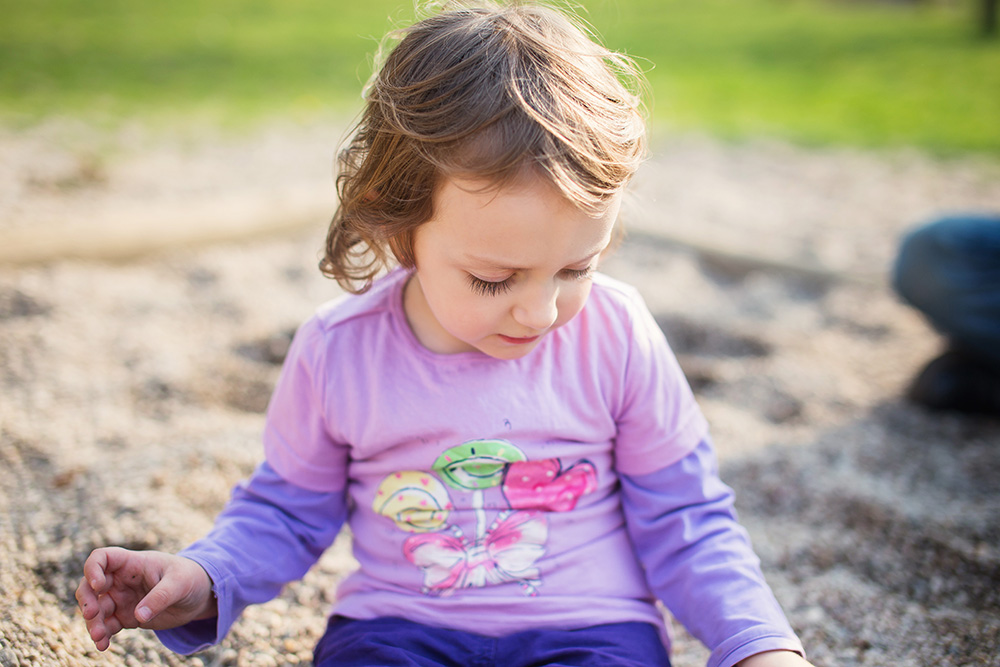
{"type": "Point", "coordinates": [136, 360]}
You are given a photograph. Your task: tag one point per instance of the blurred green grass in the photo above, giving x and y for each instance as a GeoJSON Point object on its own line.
{"type": "Point", "coordinates": [811, 71]}
{"type": "Point", "coordinates": [863, 73]}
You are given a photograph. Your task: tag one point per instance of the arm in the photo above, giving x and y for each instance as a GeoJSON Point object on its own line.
{"type": "Point", "coordinates": [699, 562]}
{"type": "Point", "coordinates": [270, 533]}
{"type": "Point", "coordinates": [277, 525]}
{"type": "Point", "coordinates": [148, 589]}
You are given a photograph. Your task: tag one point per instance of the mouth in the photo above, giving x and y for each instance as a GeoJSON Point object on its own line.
{"type": "Point", "coordinates": [518, 341]}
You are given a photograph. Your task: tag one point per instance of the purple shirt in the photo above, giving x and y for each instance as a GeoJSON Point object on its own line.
{"type": "Point", "coordinates": [568, 488]}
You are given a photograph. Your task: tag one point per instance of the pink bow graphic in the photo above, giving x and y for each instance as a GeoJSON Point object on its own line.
{"type": "Point", "coordinates": [507, 553]}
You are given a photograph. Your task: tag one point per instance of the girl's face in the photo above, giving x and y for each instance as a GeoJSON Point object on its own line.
{"type": "Point", "coordinates": [498, 270]}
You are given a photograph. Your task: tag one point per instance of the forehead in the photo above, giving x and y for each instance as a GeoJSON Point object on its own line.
{"type": "Point", "coordinates": [519, 224]}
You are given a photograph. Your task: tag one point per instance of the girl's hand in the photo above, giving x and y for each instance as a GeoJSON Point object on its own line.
{"type": "Point", "coordinates": [775, 659]}
{"type": "Point", "coordinates": [141, 589]}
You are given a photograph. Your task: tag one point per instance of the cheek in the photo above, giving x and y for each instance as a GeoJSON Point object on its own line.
{"type": "Point", "coordinates": [571, 301]}
{"type": "Point", "coordinates": [467, 313]}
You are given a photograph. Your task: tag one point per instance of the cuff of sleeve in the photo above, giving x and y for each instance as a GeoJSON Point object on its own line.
{"type": "Point", "coordinates": [751, 642]}
{"type": "Point", "coordinates": [191, 638]}
{"type": "Point", "coordinates": [199, 635]}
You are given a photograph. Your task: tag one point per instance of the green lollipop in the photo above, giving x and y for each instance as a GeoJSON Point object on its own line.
{"type": "Point", "coordinates": [477, 464]}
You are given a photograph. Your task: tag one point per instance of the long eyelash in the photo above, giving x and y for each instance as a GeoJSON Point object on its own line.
{"type": "Point", "coordinates": [487, 288]}
{"type": "Point", "coordinates": [580, 274]}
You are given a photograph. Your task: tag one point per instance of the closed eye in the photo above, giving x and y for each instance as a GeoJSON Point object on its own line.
{"type": "Point", "coordinates": [488, 287]}
{"type": "Point", "coordinates": [579, 274]}
{"type": "Point", "coordinates": [494, 288]}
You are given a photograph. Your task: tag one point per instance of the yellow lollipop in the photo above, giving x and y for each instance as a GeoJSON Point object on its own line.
{"type": "Point", "coordinates": [414, 499]}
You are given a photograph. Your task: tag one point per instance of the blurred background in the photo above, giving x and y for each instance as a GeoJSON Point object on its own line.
{"type": "Point", "coordinates": [873, 73]}
{"type": "Point", "coordinates": [794, 141]}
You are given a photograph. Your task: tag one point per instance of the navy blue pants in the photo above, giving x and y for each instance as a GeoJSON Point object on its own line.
{"type": "Point", "coordinates": [950, 270]}
{"type": "Point", "coordinates": [394, 642]}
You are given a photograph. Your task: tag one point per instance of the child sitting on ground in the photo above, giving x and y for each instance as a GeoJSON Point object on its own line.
{"type": "Point", "coordinates": [521, 462]}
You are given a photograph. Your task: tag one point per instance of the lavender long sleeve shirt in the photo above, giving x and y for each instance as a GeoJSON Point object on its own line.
{"type": "Point", "coordinates": [573, 487]}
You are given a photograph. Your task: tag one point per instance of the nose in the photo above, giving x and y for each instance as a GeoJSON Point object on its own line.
{"type": "Point", "coordinates": [537, 308]}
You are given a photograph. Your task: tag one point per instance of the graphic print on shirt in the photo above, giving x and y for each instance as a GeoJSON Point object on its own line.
{"type": "Point", "coordinates": [506, 550]}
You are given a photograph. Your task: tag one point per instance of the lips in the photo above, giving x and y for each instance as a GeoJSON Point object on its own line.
{"type": "Point", "coordinates": [518, 341]}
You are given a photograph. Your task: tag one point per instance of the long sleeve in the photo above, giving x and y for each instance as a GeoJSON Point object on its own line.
{"type": "Point", "coordinates": [699, 560]}
{"type": "Point", "coordinates": [269, 534]}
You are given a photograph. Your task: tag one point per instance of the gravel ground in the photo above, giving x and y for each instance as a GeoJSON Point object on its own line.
{"type": "Point", "coordinates": [133, 381]}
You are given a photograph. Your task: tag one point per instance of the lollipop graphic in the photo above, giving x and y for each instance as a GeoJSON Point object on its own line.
{"type": "Point", "coordinates": [477, 465]}
{"type": "Point", "coordinates": [415, 500]}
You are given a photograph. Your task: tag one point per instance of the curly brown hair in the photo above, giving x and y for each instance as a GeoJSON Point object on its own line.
{"type": "Point", "coordinates": [480, 91]}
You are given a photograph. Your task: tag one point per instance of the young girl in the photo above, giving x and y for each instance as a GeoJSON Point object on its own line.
{"type": "Point", "coordinates": [521, 463]}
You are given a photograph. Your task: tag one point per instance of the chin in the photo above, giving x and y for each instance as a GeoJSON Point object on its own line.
{"type": "Point", "coordinates": [509, 352]}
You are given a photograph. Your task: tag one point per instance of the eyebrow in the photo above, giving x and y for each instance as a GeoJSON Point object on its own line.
{"type": "Point", "coordinates": [501, 265]}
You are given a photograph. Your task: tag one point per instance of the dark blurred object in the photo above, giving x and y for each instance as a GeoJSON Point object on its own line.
{"type": "Point", "coordinates": [988, 17]}
{"type": "Point", "coordinates": [950, 271]}
{"type": "Point", "coordinates": [958, 381]}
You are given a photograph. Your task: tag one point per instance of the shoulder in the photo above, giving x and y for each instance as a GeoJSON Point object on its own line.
{"type": "Point", "coordinates": [379, 301]}
{"type": "Point", "coordinates": [617, 305]}
{"type": "Point", "coordinates": [620, 313]}
{"type": "Point", "coordinates": [614, 291]}
{"type": "Point", "coordinates": [615, 326]}
{"type": "Point", "coordinates": [351, 319]}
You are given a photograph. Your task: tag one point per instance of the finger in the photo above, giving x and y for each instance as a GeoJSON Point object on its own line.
{"type": "Point", "coordinates": [163, 595]}
{"type": "Point", "coordinates": [106, 625]}
{"type": "Point", "coordinates": [113, 626]}
{"type": "Point", "coordinates": [101, 633]}
{"type": "Point", "coordinates": [100, 563]}
{"type": "Point", "coordinates": [107, 606]}
{"type": "Point", "coordinates": [98, 632]}
{"type": "Point", "coordinates": [103, 610]}
{"type": "Point", "coordinates": [93, 570]}
{"type": "Point", "coordinates": [103, 643]}
{"type": "Point", "coordinates": [86, 599]}
{"type": "Point", "coordinates": [99, 616]}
